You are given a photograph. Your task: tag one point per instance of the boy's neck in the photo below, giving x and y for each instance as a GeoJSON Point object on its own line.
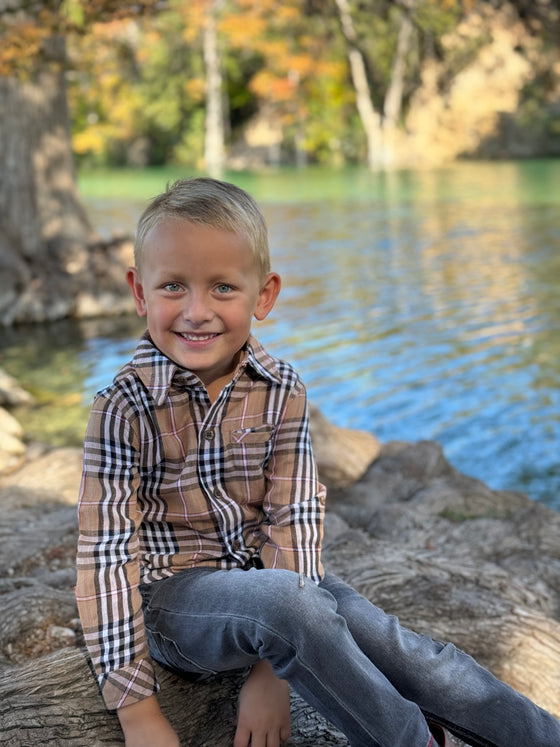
{"type": "Point", "coordinates": [215, 387]}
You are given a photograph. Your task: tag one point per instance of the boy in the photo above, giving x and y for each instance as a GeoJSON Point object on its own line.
{"type": "Point", "coordinates": [201, 520]}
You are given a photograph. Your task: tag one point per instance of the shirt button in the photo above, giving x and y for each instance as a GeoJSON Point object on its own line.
{"type": "Point", "coordinates": [236, 545]}
{"type": "Point", "coordinates": [209, 434]}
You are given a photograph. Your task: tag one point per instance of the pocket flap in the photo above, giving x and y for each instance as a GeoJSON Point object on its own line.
{"type": "Point", "coordinates": [259, 435]}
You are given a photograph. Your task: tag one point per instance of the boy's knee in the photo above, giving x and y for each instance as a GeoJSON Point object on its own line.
{"type": "Point", "coordinates": [288, 600]}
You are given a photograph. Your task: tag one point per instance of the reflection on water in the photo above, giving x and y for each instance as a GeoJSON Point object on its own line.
{"type": "Point", "coordinates": [416, 305]}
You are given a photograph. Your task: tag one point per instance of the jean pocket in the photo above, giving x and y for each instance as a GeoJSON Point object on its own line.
{"type": "Point", "coordinates": [166, 652]}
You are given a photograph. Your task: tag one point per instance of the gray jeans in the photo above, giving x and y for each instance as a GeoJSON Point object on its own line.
{"type": "Point", "coordinates": [376, 681]}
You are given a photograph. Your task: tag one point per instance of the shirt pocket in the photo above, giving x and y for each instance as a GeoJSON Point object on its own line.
{"type": "Point", "coordinates": [247, 453]}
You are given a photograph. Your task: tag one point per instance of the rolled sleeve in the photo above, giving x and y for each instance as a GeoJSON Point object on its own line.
{"type": "Point", "coordinates": [109, 602]}
{"type": "Point", "coordinates": [295, 500]}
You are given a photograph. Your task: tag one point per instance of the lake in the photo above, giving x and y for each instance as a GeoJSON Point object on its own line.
{"type": "Point", "coordinates": [416, 305]}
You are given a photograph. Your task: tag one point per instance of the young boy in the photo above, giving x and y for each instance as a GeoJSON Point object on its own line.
{"type": "Point", "coordinates": [201, 520]}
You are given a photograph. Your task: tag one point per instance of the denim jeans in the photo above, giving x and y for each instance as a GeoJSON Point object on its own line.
{"type": "Point", "coordinates": [376, 681]}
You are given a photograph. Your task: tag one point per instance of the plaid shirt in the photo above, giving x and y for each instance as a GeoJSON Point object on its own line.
{"type": "Point", "coordinates": [172, 481]}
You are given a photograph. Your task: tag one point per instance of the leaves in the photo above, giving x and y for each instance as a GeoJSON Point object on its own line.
{"type": "Point", "coordinates": [136, 72]}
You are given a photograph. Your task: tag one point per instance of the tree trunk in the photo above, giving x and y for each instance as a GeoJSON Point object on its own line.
{"type": "Point", "coordinates": [393, 98]}
{"type": "Point", "coordinates": [371, 119]}
{"type": "Point", "coordinates": [214, 136]}
{"type": "Point", "coordinates": [447, 555]}
{"type": "Point", "coordinates": [43, 225]}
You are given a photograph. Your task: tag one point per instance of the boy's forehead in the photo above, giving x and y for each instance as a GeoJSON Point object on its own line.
{"type": "Point", "coordinates": [177, 225]}
{"type": "Point", "coordinates": [173, 229]}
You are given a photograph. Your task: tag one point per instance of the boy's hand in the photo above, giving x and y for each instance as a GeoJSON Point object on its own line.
{"type": "Point", "coordinates": [144, 725]}
{"type": "Point", "coordinates": [264, 709]}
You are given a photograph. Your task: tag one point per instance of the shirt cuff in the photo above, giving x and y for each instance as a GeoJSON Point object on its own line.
{"type": "Point", "coordinates": [129, 684]}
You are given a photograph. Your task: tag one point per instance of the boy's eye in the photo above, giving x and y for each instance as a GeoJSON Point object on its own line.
{"type": "Point", "coordinates": [172, 287]}
{"type": "Point", "coordinates": [223, 288]}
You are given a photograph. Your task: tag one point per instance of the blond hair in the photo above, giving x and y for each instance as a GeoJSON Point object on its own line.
{"type": "Point", "coordinates": [213, 203]}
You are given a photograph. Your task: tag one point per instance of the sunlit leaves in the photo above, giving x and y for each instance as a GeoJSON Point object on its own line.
{"type": "Point", "coordinates": [27, 25]}
{"type": "Point", "coordinates": [137, 78]}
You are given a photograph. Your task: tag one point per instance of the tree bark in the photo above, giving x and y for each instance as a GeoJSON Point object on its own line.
{"type": "Point", "coordinates": [52, 265]}
{"type": "Point", "coordinates": [43, 225]}
{"type": "Point", "coordinates": [393, 98]}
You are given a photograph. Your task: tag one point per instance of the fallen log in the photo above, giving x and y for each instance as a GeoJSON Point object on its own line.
{"type": "Point", "coordinates": [55, 702]}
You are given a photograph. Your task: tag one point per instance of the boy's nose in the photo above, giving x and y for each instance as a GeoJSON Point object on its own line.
{"type": "Point", "coordinates": [197, 309]}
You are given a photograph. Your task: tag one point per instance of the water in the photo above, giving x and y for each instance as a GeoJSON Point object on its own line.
{"type": "Point", "coordinates": [418, 305]}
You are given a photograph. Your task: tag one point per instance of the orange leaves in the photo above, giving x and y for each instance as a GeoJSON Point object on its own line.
{"type": "Point", "coordinates": [195, 89]}
{"type": "Point", "coordinates": [466, 5]}
{"type": "Point", "coordinates": [25, 31]}
{"type": "Point", "coordinates": [18, 48]}
{"type": "Point", "coordinates": [268, 86]}
{"type": "Point", "coordinates": [242, 30]}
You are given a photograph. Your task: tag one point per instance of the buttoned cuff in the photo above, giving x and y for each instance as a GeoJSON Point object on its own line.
{"type": "Point", "coordinates": [129, 684]}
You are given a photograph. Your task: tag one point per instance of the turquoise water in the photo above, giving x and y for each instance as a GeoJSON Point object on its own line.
{"type": "Point", "coordinates": [416, 305]}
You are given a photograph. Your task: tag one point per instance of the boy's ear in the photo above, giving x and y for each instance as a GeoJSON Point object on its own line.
{"type": "Point", "coordinates": [135, 284]}
{"type": "Point", "coordinates": [267, 296]}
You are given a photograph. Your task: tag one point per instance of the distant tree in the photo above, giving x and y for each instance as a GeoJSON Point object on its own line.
{"type": "Point", "coordinates": [369, 115]}
{"type": "Point", "coordinates": [214, 140]}
{"type": "Point", "coordinates": [379, 60]}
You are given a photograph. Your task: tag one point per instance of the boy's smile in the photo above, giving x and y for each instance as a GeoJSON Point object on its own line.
{"type": "Point", "coordinates": [199, 289]}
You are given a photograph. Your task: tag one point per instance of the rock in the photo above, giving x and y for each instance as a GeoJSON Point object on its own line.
{"type": "Point", "coordinates": [481, 110]}
{"type": "Point", "coordinates": [47, 476]}
{"type": "Point", "coordinates": [342, 455]}
{"type": "Point", "coordinates": [12, 448]}
{"type": "Point", "coordinates": [101, 284]}
{"type": "Point", "coordinates": [11, 393]}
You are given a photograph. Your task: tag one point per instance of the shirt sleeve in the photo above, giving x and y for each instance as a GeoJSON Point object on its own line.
{"type": "Point", "coordinates": [294, 503]}
{"type": "Point", "coordinates": [109, 602]}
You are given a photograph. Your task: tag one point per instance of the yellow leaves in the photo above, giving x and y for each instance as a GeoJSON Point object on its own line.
{"type": "Point", "coordinates": [96, 136]}
{"type": "Point", "coordinates": [91, 140]}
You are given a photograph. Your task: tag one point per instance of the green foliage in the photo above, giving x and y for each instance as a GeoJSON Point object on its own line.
{"type": "Point", "coordinates": [73, 11]}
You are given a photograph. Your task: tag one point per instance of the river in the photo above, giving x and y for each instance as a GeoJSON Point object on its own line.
{"type": "Point", "coordinates": [416, 305]}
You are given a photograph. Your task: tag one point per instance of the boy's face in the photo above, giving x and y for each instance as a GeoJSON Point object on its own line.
{"type": "Point", "coordinates": [199, 289]}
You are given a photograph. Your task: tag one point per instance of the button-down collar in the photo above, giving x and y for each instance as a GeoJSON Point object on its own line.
{"type": "Point", "coordinates": [158, 372]}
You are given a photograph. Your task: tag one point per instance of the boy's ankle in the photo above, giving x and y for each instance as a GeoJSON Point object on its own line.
{"type": "Point", "coordinates": [440, 735]}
